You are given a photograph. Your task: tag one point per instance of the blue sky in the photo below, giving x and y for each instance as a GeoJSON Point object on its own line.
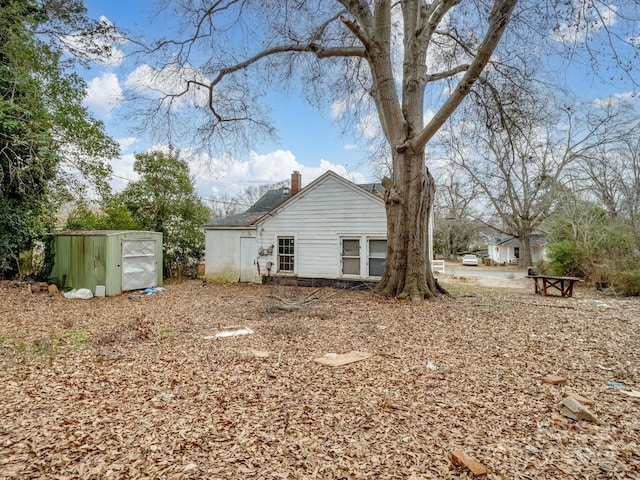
{"type": "Point", "coordinates": [308, 138]}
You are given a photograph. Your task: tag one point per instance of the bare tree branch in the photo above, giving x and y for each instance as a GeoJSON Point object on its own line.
{"type": "Point", "coordinates": [449, 73]}
{"type": "Point", "coordinates": [498, 21]}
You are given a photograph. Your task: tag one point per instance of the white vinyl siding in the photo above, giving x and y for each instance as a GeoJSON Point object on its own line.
{"type": "Point", "coordinates": [319, 218]}
{"type": "Point", "coordinates": [222, 254]}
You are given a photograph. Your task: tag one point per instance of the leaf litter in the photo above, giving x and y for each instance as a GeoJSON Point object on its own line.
{"type": "Point", "coordinates": [109, 388]}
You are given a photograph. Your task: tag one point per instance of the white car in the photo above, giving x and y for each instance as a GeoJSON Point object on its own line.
{"type": "Point", "coordinates": [470, 260]}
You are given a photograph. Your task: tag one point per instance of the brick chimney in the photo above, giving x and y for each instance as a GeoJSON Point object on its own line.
{"type": "Point", "coordinates": [296, 181]}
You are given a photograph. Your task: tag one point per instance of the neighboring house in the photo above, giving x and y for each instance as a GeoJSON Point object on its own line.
{"type": "Point", "coordinates": [504, 249]}
{"type": "Point", "coordinates": [332, 230]}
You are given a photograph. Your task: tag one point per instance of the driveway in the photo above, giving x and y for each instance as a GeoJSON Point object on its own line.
{"type": "Point", "coordinates": [506, 277]}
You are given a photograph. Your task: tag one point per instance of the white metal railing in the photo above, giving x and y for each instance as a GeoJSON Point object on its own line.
{"type": "Point", "coordinates": [437, 266]}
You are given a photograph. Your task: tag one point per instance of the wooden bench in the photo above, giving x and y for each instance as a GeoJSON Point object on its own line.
{"type": "Point", "coordinates": [563, 284]}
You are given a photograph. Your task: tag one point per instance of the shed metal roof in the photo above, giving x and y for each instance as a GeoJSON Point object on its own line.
{"type": "Point", "coordinates": [85, 233]}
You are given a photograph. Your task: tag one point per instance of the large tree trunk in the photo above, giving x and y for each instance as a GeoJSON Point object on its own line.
{"type": "Point", "coordinates": [525, 249]}
{"type": "Point", "coordinates": [409, 196]}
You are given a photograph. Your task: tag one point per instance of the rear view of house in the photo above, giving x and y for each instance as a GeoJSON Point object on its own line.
{"type": "Point", "coordinates": [332, 230]}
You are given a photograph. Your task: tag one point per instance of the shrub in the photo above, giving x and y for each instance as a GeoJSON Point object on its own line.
{"type": "Point", "coordinates": [540, 267]}
{"type": "Point", "coordinates": [627, 282]}
{"type": "Point", "coordinates": [566, 259]}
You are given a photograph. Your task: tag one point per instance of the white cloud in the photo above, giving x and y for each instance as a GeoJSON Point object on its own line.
{"type": "Point", "coordinates": [123, 172]}
{"type": "Point", "coordinates": [125, 143]}
{"type": "Point", "coordinates": [99, 47]}
{"type": "Point", "coordinates": [104, 94]}
{"type": "Point", "coordinates": [588, 18]}
{"type": "Point", "coordinates": [615, 99]}
{"type": "Point", "coordinates": [428, 115]}
{"type": "Point", "coordinates": [339, 108]}
{"type": "Point", "coordinates": [370, 126]}
{"type": "Point", "coordinates": [233, 175]}
{"type": "Point", "coordinates": [229, 176]}
{"type": "Point", "coordinates": [169, 80]}
{"type": "Point", "coordinates": [274, 167]}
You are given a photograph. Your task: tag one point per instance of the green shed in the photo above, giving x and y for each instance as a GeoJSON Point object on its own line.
{"type": "Point", "coordinates": [121, 260]}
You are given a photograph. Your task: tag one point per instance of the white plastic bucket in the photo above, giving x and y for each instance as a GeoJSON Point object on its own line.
{"type": "Point", "coordinates": [100, 290]}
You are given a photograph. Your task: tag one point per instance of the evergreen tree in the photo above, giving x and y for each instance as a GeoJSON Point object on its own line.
{"type": "Point", "coordinates": [165, 200]}
{"type": "Point", "coordinates": [43, 124]}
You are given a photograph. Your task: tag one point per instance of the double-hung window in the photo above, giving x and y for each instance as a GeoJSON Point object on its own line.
{"type": "Point", "coordinates": [350, 256]}
{"type": "Point", "coordinates": [286, 254]}
{"type": "Point", "coordinates": [377, 256]}
{"type": "Point", "coordinates": [363, 256]}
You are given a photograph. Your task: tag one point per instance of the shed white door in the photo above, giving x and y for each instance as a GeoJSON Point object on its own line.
{"type": "Point", "coordinates": [138, 264]}
{"type": "Point", "coordinates": [248, 260]}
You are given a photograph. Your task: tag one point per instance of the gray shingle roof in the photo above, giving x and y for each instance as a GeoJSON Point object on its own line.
{"type": "Point", "coordinates": [375, 188]}
{"type": "Point", "coordinates": [269, 201]}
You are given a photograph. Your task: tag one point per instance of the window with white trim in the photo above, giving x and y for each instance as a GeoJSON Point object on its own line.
{"type": "Point", "coordinates": [377, 257]}
{"type": "Point", "coordinates": [350, 256]}
{"type": "Point", "coordinates": [286, 254]}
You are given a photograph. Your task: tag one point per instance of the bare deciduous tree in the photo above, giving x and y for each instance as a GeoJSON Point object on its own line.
{"type": "Point", "coordinates": [397, 55]}
{"type": "Point", "coordinates": [611, 173]}
{"type": "Point", "coordinates": [518, 147]}
{"type": "Point", "coordinates": [454, 211]}
{"type": "Point", "coordinates": [225, 205]}
{"type": "Point", "coordinates": [378, 47]}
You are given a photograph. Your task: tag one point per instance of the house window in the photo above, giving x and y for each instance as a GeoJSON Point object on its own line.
{"type": "Point", "coordinates": [516, 252]}
{"type": "Point", "coordinates": [350, 256]}
{"type": "Point", "coordinates": [285, 254]}
{"type": "Point", "coordinates": [377, 257]}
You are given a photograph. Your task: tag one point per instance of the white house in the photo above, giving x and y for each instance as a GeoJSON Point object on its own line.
{"type": "Point", "coordinates": [332, 229]}
{"type": "Point", "coordinates": [506, 248]}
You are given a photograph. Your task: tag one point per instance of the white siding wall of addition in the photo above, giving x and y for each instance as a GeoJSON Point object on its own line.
{"type": "Point", "coordinates": [222, 253]}
{"type": "Point", "coordinates": [318, 218]}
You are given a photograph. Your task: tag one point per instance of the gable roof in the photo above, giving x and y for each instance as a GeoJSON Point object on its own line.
{"type": "Point", "coordinates": [276, 200]}
{"type": "Point", "coordinates": [270, 200]}
{"type": "Point", "coordinates": [537, 240]}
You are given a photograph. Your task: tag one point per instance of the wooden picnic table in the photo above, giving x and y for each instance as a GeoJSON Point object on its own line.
{"type": "Point", "coordinates": [563, 284]}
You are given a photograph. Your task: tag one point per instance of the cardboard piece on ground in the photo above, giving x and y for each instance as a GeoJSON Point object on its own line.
{"type": "Point", "coordinates": [631, 393]}
{"type": "Point", "coordinates": [462, 458]}
{"type": "Point", "coordinates": [339, 359]}
{"type": "Point", "coordinates": [573, 409]}
{"type": "Point", "coordinates": [554, 380]}
{"type": "Point", "coordinates": [260, 353]}
{"type": "Point", "coordinates": [230, 333]}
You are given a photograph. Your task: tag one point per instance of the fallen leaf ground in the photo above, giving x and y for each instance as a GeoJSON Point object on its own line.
{"type": "Point", "coordinates": [121, 388]}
